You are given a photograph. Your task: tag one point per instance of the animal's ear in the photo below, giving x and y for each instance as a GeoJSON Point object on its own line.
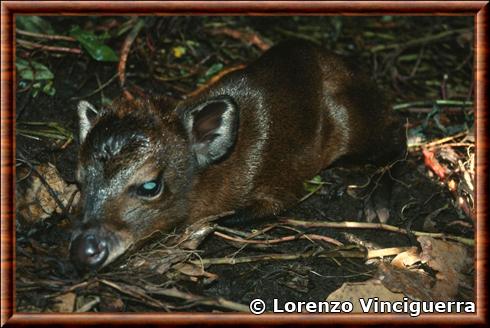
{"type": "Point", "coordinates": [212, 126]}
{"type": "Point", "coordinates": [86, 116]}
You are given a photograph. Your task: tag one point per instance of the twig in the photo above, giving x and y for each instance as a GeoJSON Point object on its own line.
{"type": "Point", "coordinates": [314, 191]}
{"type": "Point", "coordinates": [100, 88]}
{"type": "Point", "coordinates": [136, 292]}
{"type": "Point", "coordinates": [416, 42]}
{"type": "Point", "coordinates": [374, 253]}
{"type": "Point", "coordinates": [214, 79]}
{"type": "Point", "coordinates": [280, 240]}
{"type": "Point", "coordinates": [438, 102]}
{"type": "Point", "coordinates": [455, 144]}
{"type": "Point", "coordinates": [437, 143]}
{"type": "Point", "coordinates": [32, 45]}
{"type": "Point", "coordinates": [446, 139]}
{"type": "Point", "coordinates": [428, 110]}
{"type": "Point", "coordinates": [236, 232]}
{"type": "Point", "coordinates": [46, 36]}
{"type": "Point", "coordinates": [218, 302]}
{"type": "Point", "coordinates": [121, 69]}
{"type": "Point", "coordinates": [417, 63]}
{"type": "Point", "coordinates": [349, 253]}
{"type": "Point", "coordinates": [141, 293]}
{"type": "Point", "coordinates": [88, 306]}
{"type": "Point", "coordinates": [70, 203]}
{"type": "Point", "coordinates": [246, 37]}
{"type": "Point", "coordinates": [367, 225]}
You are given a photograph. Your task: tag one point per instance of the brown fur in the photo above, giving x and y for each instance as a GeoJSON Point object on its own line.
{"type": "Point", "coordinates": [300, 110]}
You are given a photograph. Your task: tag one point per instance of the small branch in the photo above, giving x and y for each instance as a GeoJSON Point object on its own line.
{"type": "Point", "coordinates": [344, 253]}
{"type": "Point", "coordinates": [235, 232]}
{"type": "Point", "coordinates": [441, 142]}
{"type": "Point", "coordinates": [446, 139]}
{"type": "Point", "coordinates": [416, 42]}
{"type": "Point", "coordinates": [128, 42]}
{"type": "Point", "coordinates": [314, 191]}
{"type": "Point", "coordinates": [196, 299]}
{"type": "Point", "coordinates": [100, 88]}
{"type": "Point", "coordinates": [32, 45]}
{"type": "Point", "coordinates": [246, 37]}
{"type": "Point", "coordinates": [367, 225]}
{"type": "Point", "coordinates": [88, 306]}
{"type": "Point", "coordinates": [429, 103]}
{"type": "Point", "coordinates": [374, 253]}
{"type": "Point", "coordinates": [455, 144]}
{"type": "Point", "coordinates": [141, 293]}
{"type": "Point", "coordinates": [136, 292]}
{"type": "Point", "coordinates": [46, 36]}
{"type": "Point", "coordinates": [214, 79]}
{"type": "Point", "coordinates": [280, 240]}
{"type": "Point", "coordinates": [427, 110]}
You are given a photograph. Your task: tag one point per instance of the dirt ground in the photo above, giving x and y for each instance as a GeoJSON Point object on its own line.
{"type": "Point", "coordinates": [422, 74]}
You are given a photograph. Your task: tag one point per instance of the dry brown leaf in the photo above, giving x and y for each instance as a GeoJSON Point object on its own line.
{"type": "Point", "coordinates": [448, 259]}
{"type": "Point", "coordinates": [353, 292]}
{"type": "Point", "coordinates": [195, 271]}
{"type": "Point", "coordinates": [34, 202]}
{"type": "Point", "coordinates": [406, 259]}
{"type": "Point", "coordinates": [65, 302]}
{"type": "Point", "coordinates": [111, 303]}
{"type": "Point", "coordinates": [415, 284]}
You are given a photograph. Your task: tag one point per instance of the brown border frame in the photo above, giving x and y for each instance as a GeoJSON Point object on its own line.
{"type": "Point", "coordinates": [8, 8]}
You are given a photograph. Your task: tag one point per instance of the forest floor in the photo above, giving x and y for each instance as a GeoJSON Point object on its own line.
{"type": "Point", "coordinates": [311, 250]}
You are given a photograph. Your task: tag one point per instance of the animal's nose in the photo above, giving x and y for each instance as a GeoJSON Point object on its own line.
{"type": "Point", "coordinates": [88, 252]}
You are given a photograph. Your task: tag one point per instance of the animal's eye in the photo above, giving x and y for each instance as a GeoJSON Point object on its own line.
{"type": "Point", "coordinates": [149, 188]}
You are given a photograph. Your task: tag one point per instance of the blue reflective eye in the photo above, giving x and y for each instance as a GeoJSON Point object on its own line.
{"type": "Point", "coordinates": [149, 188]}
{"type": "Point", "coordinates": [149, 185]}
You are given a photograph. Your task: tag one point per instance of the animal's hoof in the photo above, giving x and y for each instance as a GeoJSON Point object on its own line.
{"type": "Point", "coordinates": [376, 211]}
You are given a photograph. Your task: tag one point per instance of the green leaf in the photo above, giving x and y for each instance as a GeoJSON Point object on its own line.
{"type": "Point", "coordinates": [313, 184]}
{"type": "Point", "coordinates": [213, 70]}
{"type": "Point", "coordinates": [93, 45]}
{"type": "Point", "coordinates": [34, 24]}
{"type": "Point", "coordinates": [409, 57]}
{"type": "Point", "coordinates": [33, 70]}
{"type": "Point", "coordinates": [49, 89]}
{"type": "Point", "coordinates": [35, 89]}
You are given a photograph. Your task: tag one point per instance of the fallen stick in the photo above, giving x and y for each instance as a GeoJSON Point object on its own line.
{"type": "Point", "coordinates": [367, 225]}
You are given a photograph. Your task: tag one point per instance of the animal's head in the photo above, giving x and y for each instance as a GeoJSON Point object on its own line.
{"type": "Point", "coordinates": [137, 163]}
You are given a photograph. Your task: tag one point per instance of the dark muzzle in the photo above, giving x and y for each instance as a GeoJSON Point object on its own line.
{"type": "Point", "coordinates": [89, 251]}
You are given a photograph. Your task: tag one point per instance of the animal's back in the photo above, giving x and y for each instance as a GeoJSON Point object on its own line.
{"type": "Point", "coordinates": [301, 109]}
